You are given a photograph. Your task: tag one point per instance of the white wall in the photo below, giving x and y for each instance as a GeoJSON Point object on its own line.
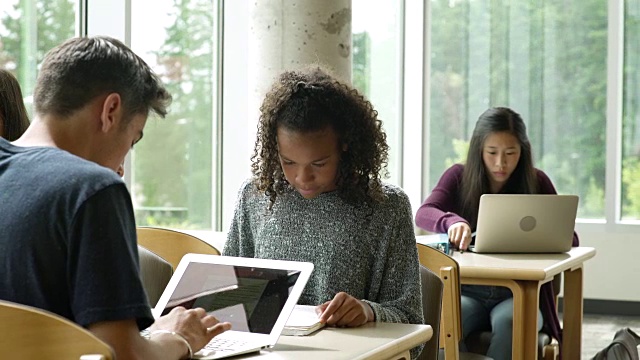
{"type": "Point", "coordinates": [611, 274]}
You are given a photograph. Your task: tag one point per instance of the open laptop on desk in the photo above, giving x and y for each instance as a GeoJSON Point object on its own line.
{"type": "Point", "coordinates": [255, 295]}
{"type": "Point", "coordinates": [525, 223]}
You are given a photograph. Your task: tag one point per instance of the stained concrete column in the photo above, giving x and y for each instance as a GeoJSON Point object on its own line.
{"type": "Point", "coordinates": [287, 34]}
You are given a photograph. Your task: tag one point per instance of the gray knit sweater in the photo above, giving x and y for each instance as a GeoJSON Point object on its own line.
{"type": "Point", "coordinates": [368, 252]}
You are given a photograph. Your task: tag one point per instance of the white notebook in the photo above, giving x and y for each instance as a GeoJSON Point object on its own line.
{"type": "Point", "coordinates": [302, 321]}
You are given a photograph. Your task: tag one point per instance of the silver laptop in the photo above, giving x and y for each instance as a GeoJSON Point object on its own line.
{"type": "Point", "coordinates": [525, 223]}
{"type": "Point", "coordinates": [255, 295]}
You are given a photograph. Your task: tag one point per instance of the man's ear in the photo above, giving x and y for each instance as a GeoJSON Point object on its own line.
{"type": "Point", "coordinates": [111, 112]}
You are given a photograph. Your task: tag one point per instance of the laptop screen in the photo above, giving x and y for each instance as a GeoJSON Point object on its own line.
{"type": "Point", "coordinates": [250, 298]}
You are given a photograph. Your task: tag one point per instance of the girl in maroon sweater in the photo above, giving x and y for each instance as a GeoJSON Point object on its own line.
{"type": "Point", "coordinates": [499, 161]}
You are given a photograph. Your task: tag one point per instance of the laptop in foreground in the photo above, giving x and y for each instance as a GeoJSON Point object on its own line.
{"type": "Point", "coordinates": [255, 295]}
{"type": "Point", "coordinates": [509, 223]}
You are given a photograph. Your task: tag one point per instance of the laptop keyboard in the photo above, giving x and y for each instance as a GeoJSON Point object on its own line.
{"type": "Point", "coordinates": [224, 345]}
{"type": "Point", "coordinates": [217, 346]}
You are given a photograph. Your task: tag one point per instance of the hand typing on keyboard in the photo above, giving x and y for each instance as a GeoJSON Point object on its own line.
{"type": "Point", "coordinates": [193, 325]}
{"type": "Point", "coordinates": [460, 235]}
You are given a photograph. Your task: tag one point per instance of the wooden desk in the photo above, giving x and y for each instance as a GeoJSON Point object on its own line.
{"type": "Point", "coordinates": [372, 341]}
{"type": "Point", "coordinates": [524, 274]}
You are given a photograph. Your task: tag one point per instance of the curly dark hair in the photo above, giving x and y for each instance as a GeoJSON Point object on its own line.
{"type": "Point", "coordinates": [310, 100]}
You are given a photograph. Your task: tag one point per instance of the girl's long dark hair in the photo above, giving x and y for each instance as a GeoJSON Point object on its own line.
{"type": "Point", "coordinates": [475, 180]}
{"type": "Point", "coordinates": [13, 114]}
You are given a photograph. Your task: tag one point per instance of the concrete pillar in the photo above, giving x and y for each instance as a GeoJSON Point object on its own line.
{"type": "Point", "coordinates": [287, 34]}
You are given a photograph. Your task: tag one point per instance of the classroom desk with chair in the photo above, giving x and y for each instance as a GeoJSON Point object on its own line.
{"type": "Point", "coordinates": [524, 274]}
{"type": "Point", "coordinates": [373, 341]}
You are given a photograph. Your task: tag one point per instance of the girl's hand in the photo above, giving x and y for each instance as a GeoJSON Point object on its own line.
{"type": "Point", "coordinates": [345, 311]}
{"type": "Point", "coordinates": [460, 235]}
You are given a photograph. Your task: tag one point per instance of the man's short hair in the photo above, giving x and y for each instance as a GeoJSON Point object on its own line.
{"type": "Point", "coordinates": [80, 69]}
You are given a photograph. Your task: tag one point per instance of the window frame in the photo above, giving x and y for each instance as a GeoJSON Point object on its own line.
{"type": "Point", "coordinates": [414, 160]}
{"type": "Point", "coordinates": [612, 221]}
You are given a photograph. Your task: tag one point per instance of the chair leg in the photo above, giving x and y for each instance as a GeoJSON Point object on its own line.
{"type": "Point", "coordinates": [551, 352]}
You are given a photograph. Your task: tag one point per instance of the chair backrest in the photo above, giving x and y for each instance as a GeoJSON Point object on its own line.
{"type": "Point", "coordinates": [155, 273]}
{"type": "Point", "coordinates": [432, 287]}
{"type": "Point", "coordinates": [449, 272]}
{"type": "Point", "coordinates": [172, 245]}
{"type": "Point", "coordinates": [31, 333]}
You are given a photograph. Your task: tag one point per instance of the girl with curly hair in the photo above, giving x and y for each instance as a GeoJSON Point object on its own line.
{"type": "Point", "coordinates": [316, 195]}
{"type": "Point", "coordinates": [499, 161]}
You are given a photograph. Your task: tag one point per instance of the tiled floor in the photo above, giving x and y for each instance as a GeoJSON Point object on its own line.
{"type": "Point", "coordinates": [598, 331]}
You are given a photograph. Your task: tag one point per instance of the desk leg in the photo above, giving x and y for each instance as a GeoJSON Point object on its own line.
{"type": "Point", "coordinates": [572, 314]}
{"type": "Point", "coordinates": [525, 319]}
{"type": "Point", "coordinates": [525, 315]}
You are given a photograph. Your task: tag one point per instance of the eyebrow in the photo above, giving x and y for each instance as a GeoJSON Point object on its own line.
{"type": "Point", "coordinates": [314, 161]}
{"type": "Point", "coordinates": [495, 147]}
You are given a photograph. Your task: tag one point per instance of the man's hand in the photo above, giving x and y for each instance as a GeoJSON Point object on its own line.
{"type": "Point", "coordinates": [194, 325]}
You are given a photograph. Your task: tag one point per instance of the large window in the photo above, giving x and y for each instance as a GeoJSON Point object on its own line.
{"type": "Point", "coordinates": [376, 71]}
{"type": "Point", "coordinates": [546, 60]}
{"type": "Point", "coordinates": [172, 168]}
{"type": "Point", "coordinates": [631, 113]}
{"type": "Point", "coordinates": [28, 29]}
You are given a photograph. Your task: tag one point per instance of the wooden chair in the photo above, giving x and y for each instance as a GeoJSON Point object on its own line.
{"type": "Point", "coordinates": [451, 324]}
{"type": "Point", "coordinates": [31, 333]}
{"type": "Point", "coordinates": [172, 245]}
{"type": "Point", "coordinates": [155, 273]}
{"type": "Point", "coordinates": [432, 287]}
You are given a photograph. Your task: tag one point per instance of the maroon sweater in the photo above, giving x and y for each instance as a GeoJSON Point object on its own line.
{"type": "Point", "coordinates": [439, 211]}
